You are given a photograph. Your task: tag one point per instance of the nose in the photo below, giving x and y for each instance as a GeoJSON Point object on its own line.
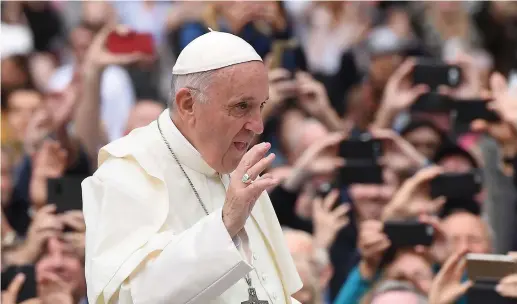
{"type": "Point", "coordinates": [255, 124]}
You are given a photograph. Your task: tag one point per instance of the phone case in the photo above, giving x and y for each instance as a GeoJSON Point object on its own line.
{"type": "Point", "coordinates": [131, 43]}
{"type": "Point", "coordinates": [466, 111]}
{"type": "Point", "coordinates": [436, 73]}
{"type": "Point", "coordinates": [65, 193]}
{"type": "Point", "coordinates": [361, 174]}
{"type": "Point", "coordinates": [364, 148]}
{"type": "Point", "coordinates": [490, 266]}
{"type": "Point", "coordinates": [456, 186]}
{"type": "Point", "coordinates": [409, 233]}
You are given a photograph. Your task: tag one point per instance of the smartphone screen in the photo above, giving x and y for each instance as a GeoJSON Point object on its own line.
{"type": "Point", "coordinates": [435, 73]}
{"type": "Point", "coordinates": [456, 185]}
{"type": "Point", "coordinates": [409, 233]}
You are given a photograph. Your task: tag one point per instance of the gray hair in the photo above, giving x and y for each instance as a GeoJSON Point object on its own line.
{"type": "Point", "coordinates": [392, 285]}
{"type": "Point", "coordinates": [198, 83]}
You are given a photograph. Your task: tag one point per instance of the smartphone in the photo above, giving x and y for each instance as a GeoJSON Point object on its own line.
{"type": "Point", "coordinates": [363, 148]}
{"type": "Point", "coordinates": [131, 42]}
{"type": "Point", "coordinates": [359, 173]}
{"type": "Point", "coordinates": [278, 50]}
{"type": "Point", "coordinates": [483, 292]}
{"type": "Point", "coordinates": [409, 233]}
{"type": "Point", "coordinates": [435, 73]}
{"type": "Point", "coordinates": [456, 185]}
{"type": "Point", "coordinates": [65, 193]}
{"type": "Point", "coordinates": [490, 266]}
{"type": "Point", "coordinates": [432, 103]}
{"type": "Point", "coordinates": [466, 111]}
{"type": "Point", "coordinates": [485, 270]}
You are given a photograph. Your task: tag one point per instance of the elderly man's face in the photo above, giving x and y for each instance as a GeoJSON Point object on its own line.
{"type": "Point", "coordinates": [226, 124]}
{"type": "Point", "coordinates": [467, 231]}
{"type": "Point", "coordinates": [413, 267]}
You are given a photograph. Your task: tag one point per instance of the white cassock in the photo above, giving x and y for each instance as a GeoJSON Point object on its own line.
{"type": "Point", "coordinates": [149, 241]}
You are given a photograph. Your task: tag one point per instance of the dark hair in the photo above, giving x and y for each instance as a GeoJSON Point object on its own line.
{"type": "Point", "coordinates": [452, 149]}
{"type": "Point", "coordinates": [452, 206]}
{"type": "Point", "coordinates": [422, 123]}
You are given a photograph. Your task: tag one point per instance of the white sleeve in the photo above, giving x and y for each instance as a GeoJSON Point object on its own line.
{"type": "Point", "coordinates": [194, 267]}
{"type": "Point", "coordinates": [123, 254]}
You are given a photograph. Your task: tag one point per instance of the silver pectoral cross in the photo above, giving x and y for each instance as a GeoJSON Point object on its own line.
{"type": "Point", "coordinates": [253, 297]}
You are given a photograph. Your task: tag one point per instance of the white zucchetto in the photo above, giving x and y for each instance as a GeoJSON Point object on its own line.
{"type": "Point", "coordinates": [213, 50]}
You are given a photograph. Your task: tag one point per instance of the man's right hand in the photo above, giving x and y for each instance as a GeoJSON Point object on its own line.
{"type": "Point", "coordinates": [240, 196]}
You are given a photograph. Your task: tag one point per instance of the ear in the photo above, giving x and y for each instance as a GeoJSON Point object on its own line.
{"type": "Point", "coordinates": [184, 104]}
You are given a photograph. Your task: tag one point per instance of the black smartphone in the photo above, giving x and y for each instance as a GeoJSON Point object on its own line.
{"type": "Point", "coordinates": [365, 148]}
{"type": "Point", "coordinates": [435, 73]}
{"type": "Point", "coordinates": [358, 173]}
{"type": "Point", "coordinates": [65, 193]}
{"type": "Point", "coordinates": [409, 233]}
{"type": "Point", "coordinates": [456, 185]}
{"type": "Point", "coordinates": [468, 110]}
{"type": "Point", "coordinates": [432, 103]}
{"type": "Point", "coordinates": [483, 292]}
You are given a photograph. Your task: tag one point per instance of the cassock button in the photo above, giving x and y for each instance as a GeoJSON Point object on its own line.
{"type": "Point", "coordinates": [275, 296]}
{"type": "Point", "coordinates": [255, 257]}
{"type": "Point", "coordinates": [264, 277]}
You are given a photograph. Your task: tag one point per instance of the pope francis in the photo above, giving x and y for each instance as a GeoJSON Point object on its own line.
{"type": "Point", "coordinates": [177, 212]}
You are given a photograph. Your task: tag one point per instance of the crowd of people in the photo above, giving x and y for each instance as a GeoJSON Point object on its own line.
{"type": "Point", "coordinates": [338, 72]}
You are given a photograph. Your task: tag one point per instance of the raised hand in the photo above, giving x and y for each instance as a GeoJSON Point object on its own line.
{"type": "Point", "coordinates": [312, 95]}
{"type": "Point", "coordinates": [328, 221]}
{"type": "Point", "coordinates": [49, 162]}
{"type": "Point", "coordinates": [311, 162]}
{"type": "Point", "coordinates": [409, 201]}
{"type": "Point", "coordinates": [10, 295]}
{"type": "Point", "coordinates": [440, 249]}
{"type": "Point", "coordinates": [400, 93]}
{"type": "Point", "coordinates": [45, 225]}
{"type": "Point", "coordinates": [504, 99]}
{"type": "Point", "coordinates": [447, 286]}
{"type": "Point", "coordinates": [471, 84]}
{"type": "Point", "coordinates": [372, 243]}
{"type": "Point", "coordinates": [243, 192]}
{"type": "Point", "coordinates": [99, 57]}
{"type": "Point", "coordinates": [52, 289]}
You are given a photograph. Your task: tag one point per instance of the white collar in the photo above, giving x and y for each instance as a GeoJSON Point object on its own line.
{"type": "Point", "coordinates": [184, 150]}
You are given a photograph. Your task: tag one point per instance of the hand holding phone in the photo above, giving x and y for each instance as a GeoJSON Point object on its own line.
{"type": "Point", "coordinates": [372, 243]}
{"type": "Point", "coordinates": [486, 270]}
{"type": "Point", "coordinates": [447, 286]}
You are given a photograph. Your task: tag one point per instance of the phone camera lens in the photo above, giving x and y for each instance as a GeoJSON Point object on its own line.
{"type": "Point", "coordinates": [454, 76]}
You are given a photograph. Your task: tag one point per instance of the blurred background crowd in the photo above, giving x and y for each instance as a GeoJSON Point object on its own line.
{"type": "Point", "coordinates": [339, 71]}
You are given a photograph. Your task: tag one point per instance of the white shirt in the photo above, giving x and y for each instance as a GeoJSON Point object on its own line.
{"type": "Point", "coordinates": [117, 96]}
{"type": "Point", "coordinates": [148, 239]}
